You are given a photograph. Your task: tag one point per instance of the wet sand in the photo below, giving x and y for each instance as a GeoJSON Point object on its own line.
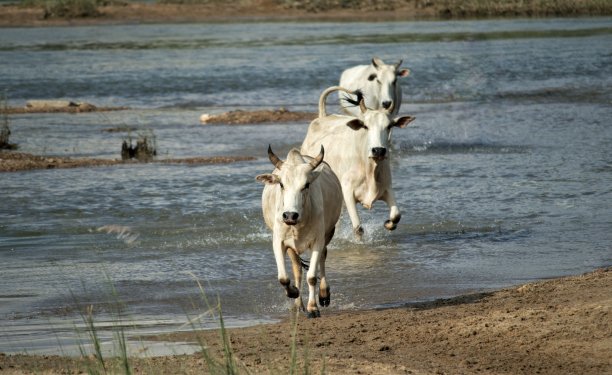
{"type": "Point", "coordinates": [11, 161]}
{"type": "Point", "coordinates": [240, 117]}
{"type": "Point", "coordinates": [67, 109]}
{"type": "Point", "coordinates": [558, 326]}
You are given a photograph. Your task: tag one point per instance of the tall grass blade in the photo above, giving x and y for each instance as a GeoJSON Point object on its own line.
{"type": "Point", "coordinates": [93, 335]}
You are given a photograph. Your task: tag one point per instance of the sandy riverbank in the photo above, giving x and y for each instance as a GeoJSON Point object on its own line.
{"type": "Point", "coordinates": [559, 326]}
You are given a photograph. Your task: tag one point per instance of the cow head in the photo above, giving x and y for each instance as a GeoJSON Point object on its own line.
{"type": "Point", "coordinates": [293, 177]}
{"type": "Point", "coordinates": [378, 125]}
{"type": "Point", "coordinates": [382, 82]}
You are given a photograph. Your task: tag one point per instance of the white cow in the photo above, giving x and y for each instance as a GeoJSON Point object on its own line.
{"type": "Point", "coordinates": [301, 204]}
{"type": "Point", "coordinates": [358, 152]}
{"type": "Point", "coordinates": [378, 84]}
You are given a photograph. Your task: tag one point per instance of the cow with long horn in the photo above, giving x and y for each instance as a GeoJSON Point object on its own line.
{"type": "Point", "coordinates": [301, 204]}
{"type": "Point", "coordinates": [358, 152]}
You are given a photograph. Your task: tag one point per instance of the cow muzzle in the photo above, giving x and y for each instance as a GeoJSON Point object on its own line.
{"type": "Point", "coordinates": [379, 153]}
{"type": "Point", "coordinates": [290, 218]}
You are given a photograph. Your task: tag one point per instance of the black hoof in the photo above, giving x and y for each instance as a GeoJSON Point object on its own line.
{"type": "Point", "coordinates": [292, 292]}
{"type": "Point", "coordinates": [358, 231]}
{"type": "Point", "coordinates": [324, 301]}
{"type": "Point", "coordinates": [390, 225]}
{"type": "Point", "coordinates": [313, 314]}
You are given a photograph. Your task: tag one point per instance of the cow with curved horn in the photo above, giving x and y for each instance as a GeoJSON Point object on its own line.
{"type": "Point", "coordinates": [301, 203]}
{"type": "Point", "coordinates": [378, 82]}
{"type": "Point", "coordinates": [358, 152]}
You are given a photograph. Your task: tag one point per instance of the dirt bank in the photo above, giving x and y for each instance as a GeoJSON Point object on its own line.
{"type": "Point", "coordinates": [311, 10]}
{"type": "Point", "coordinates": [50, 106]}
{"type": "Point", "coordinates": [11, 161]}
{"type": "Point", "coordinates": [560, 326]}
{"type": "Point", "coordinates": [240, 117]}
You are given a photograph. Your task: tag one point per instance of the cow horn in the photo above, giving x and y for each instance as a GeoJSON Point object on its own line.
{"type": "Point", "coordinates": [274, 159]}
{"type": "Point", "coordinates": [399, 63]}
{"type": "Point", "coordinates": [377, 63]}
{"type": "Point", "coordinates": [362, 106]}
{"type": "Point", "coordinates": [390, 110]}
{"type": "Point", "coordinates": [316, 161]}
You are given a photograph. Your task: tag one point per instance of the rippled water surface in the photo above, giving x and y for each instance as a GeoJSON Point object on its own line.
{"type": "Point", "coordinates": [505, 177]}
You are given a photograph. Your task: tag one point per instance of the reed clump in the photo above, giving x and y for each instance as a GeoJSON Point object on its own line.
{"type": "Point", "coordinates": [70, 8]}
{"type": "Point", "coordinates": [5, 130]}
{"type": "Point", "coordinates": [145, 148]}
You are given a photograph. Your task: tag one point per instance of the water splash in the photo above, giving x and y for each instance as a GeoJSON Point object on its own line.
{"type": "Point", "coordinates": [123, 233]}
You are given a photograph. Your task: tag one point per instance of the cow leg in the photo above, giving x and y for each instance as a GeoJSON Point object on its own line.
{"type": "Point", "coordinates": [394, 213]}
{"type": "Point", "coordinates": [296, 265]}
{"type": "Point", "coordinates": [279, 255]}
{"type": "Point", "coordinates": [351, 208]}
{"type": "Point", "coordinates": [312, 308]}
{"type": "Point", "coordinates": [324, 293]}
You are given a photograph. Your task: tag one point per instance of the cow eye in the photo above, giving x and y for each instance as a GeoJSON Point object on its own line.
{"type": "Point", "coordinates": [372, 77]}
{"type": "Point", "coordinates": [281, 185]}
{"type": "Point", "coordinates": [306, 186]}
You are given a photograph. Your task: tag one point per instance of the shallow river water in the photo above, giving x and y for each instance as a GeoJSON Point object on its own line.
{"type": "Point", "coordinates": [504, 178]}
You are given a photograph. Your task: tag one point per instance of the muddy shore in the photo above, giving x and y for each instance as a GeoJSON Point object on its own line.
{"type": "Point", "coordinates": [558, 326]}
{"type": "Point", "coordinates": [11, 161]}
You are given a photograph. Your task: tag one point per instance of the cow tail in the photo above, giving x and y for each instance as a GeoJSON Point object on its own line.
{"type": "Point", "coordinates": [329, 90]}
{"type": "Point", "coordinates": [354, 102]}
{"type": "Point", "coordinates": [305, 264]}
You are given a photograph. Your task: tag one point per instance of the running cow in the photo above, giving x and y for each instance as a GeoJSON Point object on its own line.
{"type": "Point", "coordinates": [358, 152]}
{"type": "Point", "coordinates": [301, 203]}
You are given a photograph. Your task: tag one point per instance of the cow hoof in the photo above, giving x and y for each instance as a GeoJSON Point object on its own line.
{"type": "Point", "coordinates": [292, 292]}
{"type": "Point", "coordinates": [313, 314]}
{"type": "Point", "coordinates": [324, 301]}
{"type": "Point", "coordinates": [390, 225]}
{"type": "Point", "coordinates": [358, 232]}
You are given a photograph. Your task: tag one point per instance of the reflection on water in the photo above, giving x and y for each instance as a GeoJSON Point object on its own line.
{"type": "Point", "coordinates": [503, 178]}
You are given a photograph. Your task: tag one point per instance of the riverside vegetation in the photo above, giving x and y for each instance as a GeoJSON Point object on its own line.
{"type": "Point", "coordinates": [193, 10]}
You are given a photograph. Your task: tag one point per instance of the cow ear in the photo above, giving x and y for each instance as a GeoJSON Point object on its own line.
{"type": "Point", "coordinates": [402, 122]}
{"type": "Point", "coordinates": [403, 73]}
{"type": "Point", "coordinates": [356, 124]}
{"type": "Point", "coordinates": [268, 178]}
{"type": "Point", "coordinates": [313, 175]}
